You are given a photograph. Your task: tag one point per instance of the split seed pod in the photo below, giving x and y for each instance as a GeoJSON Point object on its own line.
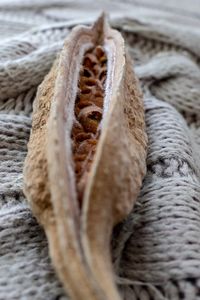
{"type": "Point", "coordinates": [86, 156]}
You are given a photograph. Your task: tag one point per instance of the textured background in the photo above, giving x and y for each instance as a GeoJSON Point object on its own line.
{"type": "Point", "coordinates": [156, 251]}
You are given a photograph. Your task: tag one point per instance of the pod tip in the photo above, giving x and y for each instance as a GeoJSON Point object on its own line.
{"type": "Point", "coordinates": [100, 26]}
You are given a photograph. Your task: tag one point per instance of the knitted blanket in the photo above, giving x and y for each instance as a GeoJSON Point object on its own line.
{"type": "Point", "coordinates": [156, 250]}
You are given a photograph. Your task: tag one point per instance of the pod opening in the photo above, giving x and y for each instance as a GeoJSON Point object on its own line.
{"type": "Point", "coordinates": [88, 111]}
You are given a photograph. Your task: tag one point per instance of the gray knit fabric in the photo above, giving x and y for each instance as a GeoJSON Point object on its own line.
{"type": "Point", "coordinates": [156, 250]}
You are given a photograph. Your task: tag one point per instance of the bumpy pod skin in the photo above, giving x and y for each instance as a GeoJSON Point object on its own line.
{"type": "Point", "coordinates": [79, 239]}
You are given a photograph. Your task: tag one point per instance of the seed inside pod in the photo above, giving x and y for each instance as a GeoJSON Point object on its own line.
{"type": "Point", "coordinates": [88, 112]}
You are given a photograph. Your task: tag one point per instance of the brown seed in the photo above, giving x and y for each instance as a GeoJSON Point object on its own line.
{"type": "Point", "coordinates": [82, 136]}
{"type": "Point", "coordinates": [99, 51]}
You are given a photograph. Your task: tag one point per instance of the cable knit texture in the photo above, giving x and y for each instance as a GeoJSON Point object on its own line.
{"type": "Point", "coordinates": [156, 250]}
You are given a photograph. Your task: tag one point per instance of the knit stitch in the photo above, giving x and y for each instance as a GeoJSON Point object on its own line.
{"type": "Point", "coordinates": [156, 250]}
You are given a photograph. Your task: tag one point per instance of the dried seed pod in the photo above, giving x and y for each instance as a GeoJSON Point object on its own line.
{"type": "Point", "coordinates": [86, 156]}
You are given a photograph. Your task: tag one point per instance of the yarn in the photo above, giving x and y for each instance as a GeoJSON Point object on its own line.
{"type": "Point", "coordinates": [156, 249]}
